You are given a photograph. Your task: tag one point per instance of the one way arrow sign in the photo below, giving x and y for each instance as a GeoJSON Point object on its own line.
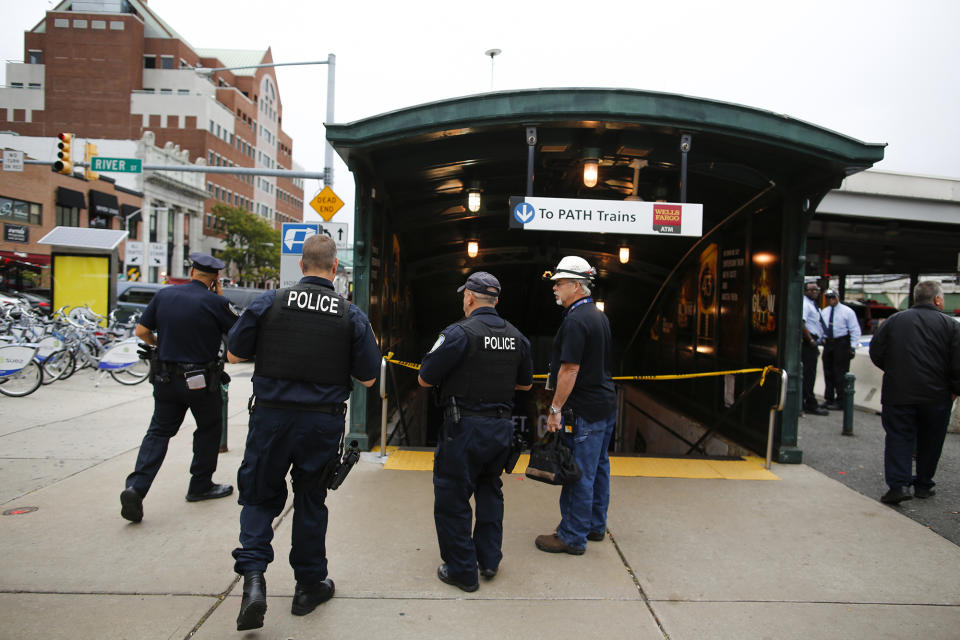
{"type": "Point", "coordinates": [339, 231]}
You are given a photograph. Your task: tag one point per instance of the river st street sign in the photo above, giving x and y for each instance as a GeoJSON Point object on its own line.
{"type": "Point", "coordinates": [116, 165]}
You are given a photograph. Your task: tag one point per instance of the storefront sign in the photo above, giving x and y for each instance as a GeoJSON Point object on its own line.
{"type": "Point", "coordinates": [606, 216]}
{"type": "Point", "coordinates": [16, 233]}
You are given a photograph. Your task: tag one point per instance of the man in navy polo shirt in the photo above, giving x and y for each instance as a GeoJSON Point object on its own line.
{"type": "Point", "coordinates": [580, 375]}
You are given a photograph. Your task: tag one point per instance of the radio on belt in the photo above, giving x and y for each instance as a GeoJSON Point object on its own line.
{"type": "Point", "coordinates": [313, 301]}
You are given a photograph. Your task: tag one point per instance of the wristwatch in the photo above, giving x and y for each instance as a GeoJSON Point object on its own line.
{"type": "Point", "coordinates": [554, 411]}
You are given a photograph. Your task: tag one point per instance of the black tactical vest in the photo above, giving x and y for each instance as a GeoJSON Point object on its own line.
{"type": "Point", "coordinates": [488, 372]}
{"type": "Point", "coordinates": [305, 336]}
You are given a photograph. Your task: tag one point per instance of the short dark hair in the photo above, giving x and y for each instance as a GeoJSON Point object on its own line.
{"type": "Point", "coordinates": [925, 292]}
{"type": "Point", "coordinates": [319, 253]}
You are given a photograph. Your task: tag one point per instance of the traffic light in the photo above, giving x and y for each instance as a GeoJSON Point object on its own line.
{"type": "Point", "coordinates": [91, 153]}
{"type": "Point", "coordinates": [64, 165]}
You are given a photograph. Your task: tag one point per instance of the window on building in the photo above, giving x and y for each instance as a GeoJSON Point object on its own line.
{"type": "Point", "coordinates": [34, 56]}
{"type": "Point", "coordinates": [183, 92]}
{"type": "Point", "coordinates": [211, 126]}
{"type": "Point", "coordinates": [68, 216]}
{"type": "Point", "coordinates": [149, 62]}
{"type": "Point", "coordinates": [33, 85]}
{"type": "Point", "coordinates": [166, 62]}
{"type": "Point", "coordinates": [166, 92]}
{"type": "Point", "coordinates": [153, 226]}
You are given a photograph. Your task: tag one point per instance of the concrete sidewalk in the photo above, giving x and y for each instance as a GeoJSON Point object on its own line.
{"type": "Point", "coordinates": [799, 557]}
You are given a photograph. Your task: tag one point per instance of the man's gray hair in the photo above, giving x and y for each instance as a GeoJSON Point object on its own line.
{"type": "Point", "coordinates": [926, 291]}
{"type": "Point", "coordinates": [485, 298]}
{"type": "Point", "coordinates": [584, 284]}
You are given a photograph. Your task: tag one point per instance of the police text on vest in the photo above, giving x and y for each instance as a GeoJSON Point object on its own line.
{"type": "Point", "coordinates": [313, 301]}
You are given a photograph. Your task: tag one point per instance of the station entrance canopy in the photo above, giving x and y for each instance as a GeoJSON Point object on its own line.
{"type": "Point", "coordinates": [680, 304]}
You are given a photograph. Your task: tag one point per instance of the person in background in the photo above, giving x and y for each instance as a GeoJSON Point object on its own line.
{"type": "Point", "coordinates": [810, 351]}
{"type": "Point", "coordinates": [841, 333]}
{"type": "Point", "coordinates": [186, 324]}
{"type": "Point", "coordinates": [919, 352]}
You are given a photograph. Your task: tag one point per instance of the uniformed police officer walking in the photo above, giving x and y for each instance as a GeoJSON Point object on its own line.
{"type": "Point", "coordinates": [478, 363]}
{"type": "Point", "coordinates": [580, 364]}
{"type": "Point", "coordinates": [186, 323]}
{"type": "Point", "coordinates": [308, 342]}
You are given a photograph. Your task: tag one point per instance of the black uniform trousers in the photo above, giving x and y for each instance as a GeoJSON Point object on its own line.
{"type": "Point", "coordinates": [170, 403]}
{"type": "Point", "coordinates": [909, 425]}
{"type": "Point", "coordinates": [809, 356]}
{"type": "Point", "coordinates": [836, 362]}
{"type": "Point", "coordinates": [468, 462]}
{"type": "Point", "coordinates": [278, 441]}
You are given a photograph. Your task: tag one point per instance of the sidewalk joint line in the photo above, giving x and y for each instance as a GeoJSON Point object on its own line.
{"type": "Point", "coordinates": [636, 582]}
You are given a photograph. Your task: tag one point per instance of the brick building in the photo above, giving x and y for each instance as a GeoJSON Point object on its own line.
{"type": "Point", "coordinates": [113, 69]}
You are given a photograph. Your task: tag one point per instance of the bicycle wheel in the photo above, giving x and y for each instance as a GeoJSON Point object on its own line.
{"type": "Point", "coordinates": [23, 382]}
{"type": "Point", "coordinates": [59, 365]}
{"type": "Point", "coordinates": [134, 374]}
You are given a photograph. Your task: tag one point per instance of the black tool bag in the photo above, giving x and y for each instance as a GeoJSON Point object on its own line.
{"type": "Point", "coordinates": [551, 461]}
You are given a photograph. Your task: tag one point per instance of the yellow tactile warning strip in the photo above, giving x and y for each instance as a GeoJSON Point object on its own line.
{"type": "Point", "coordinates": [750, 468]}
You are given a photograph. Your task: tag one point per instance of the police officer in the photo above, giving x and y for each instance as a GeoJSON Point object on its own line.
{"type": "Point", "coordinates": [308, 342]}
{"type": "Point", "coordinates": [841, 335]}
{"type": "Point", "coordinates": [186, 324]}
{"type": "Point", "coordinates": [477, 363]}
{"type": "Point", "coordinates": [580, 364]}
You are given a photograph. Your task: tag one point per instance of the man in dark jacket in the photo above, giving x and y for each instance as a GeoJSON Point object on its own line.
{"type": "Point", "coordinates": [919, 352]}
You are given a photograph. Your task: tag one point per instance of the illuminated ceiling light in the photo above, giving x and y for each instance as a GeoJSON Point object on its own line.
{"type": "Point", "coordinates": [473, 197]}
{"type": "Point", "coordinates": [764, 258]}
{"type": "Point", "coordinates": [473, 248]}
{"type": "Point", "coordinates": [601, 305]}
{"type": "Point", "coordinates": [624, 255]}
{"type": "Point", "coordinates": [591, 166]}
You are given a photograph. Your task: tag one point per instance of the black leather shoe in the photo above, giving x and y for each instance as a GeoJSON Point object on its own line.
{"type": "Point", "coordinates": [444, 575]}
{"type": "Point", "coordinates": [817, 411]}
{"type": "Point", "coordinates": [254, 602]}
{"type": "Point", "coordinates": [920, 492]}
{"type": "Point", "coordinates": [896, 495]}
{"type": "Point", "coordinates": [596, 536]}
{"type": "Point", "coordinates": [306, 598]}
{"type": "Point", "coordinates": [489, 574]}
{"type": "Point", "coordinates": [833, 406]}
{"type": "Point", "coordinates": [216, 491]}
{"type": "Point", "coordinates": [131, 505]}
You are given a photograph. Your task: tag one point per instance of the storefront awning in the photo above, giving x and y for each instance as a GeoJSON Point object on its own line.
{"type": "Point", "coordinates": [70, 198]}
{"type": "Point", "coordinates": [103, 204]}
{"type": "Point", "coordinates": [34, 259]}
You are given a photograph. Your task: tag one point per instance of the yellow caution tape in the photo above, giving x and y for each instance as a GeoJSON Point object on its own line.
{"type": "Point", "coordinates": [681, 376]}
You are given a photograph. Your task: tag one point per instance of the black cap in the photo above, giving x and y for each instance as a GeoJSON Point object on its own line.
{"type": "Point", "coordinates": [482, 282]}
{"type": "Point", "coordinates": [206, 263]}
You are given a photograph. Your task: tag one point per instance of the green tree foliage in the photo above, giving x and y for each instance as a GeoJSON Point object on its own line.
{"type": "Point", "coordinates": [253, 245]}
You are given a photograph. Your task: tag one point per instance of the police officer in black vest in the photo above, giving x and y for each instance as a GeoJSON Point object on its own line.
{"type": "Point", "coordinates": [186, 323]}
{"type": "Point", "coordinates": [478, 363]}
{"type": "Point", "coordinates": [308, 343]}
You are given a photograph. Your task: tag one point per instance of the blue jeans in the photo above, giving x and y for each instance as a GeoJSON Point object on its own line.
{"type": "Point", "coordinates": [583, 504]}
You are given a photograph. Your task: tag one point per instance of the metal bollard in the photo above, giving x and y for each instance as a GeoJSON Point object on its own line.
{"type": "Point", "coordinates": [849, 381]}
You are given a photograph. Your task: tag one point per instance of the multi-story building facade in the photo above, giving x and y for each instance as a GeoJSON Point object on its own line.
{"type": "Point", "coordinates": [113, 69]}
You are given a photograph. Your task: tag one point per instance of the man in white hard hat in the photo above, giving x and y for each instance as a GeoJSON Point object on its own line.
{"type": "Point", "coordinates": [584, 407]}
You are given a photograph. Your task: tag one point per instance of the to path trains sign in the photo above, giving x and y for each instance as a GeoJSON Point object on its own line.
{"type": "Point", "coordinates": [606, 216]}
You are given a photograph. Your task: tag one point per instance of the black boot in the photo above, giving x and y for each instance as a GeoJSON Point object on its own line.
{"type": "Point", "coordinates": [306, 598]}
{"type": "Point", "coordinates": [254, 603]}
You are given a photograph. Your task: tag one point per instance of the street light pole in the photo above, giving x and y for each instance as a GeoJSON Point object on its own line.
{"type": "Point", "coordinates": [331, 63]}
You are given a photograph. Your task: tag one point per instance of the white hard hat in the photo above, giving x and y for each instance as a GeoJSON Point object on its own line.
{"type": "Point", "coordinates": [573, 267]}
